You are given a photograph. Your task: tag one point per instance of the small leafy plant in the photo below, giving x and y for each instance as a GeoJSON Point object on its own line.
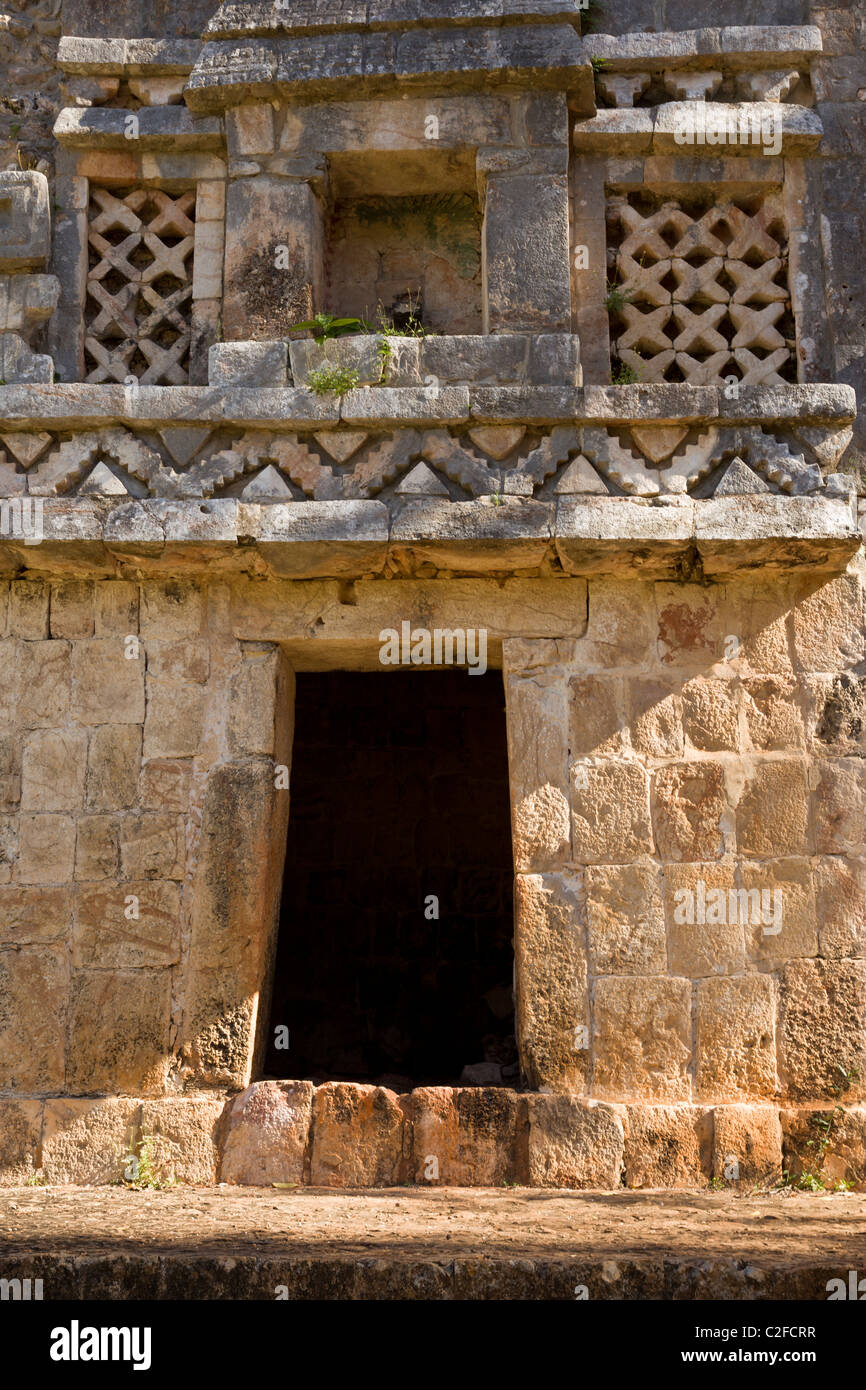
{"type": "Point", "coordinates": [616, 298]}
{"type": "Point", "coordinates": [412, 327]}
{"type": "Point", "coordinates": [623, 375]}
{"type": "Point", "coordinates": [330, 377]}
{"type": "Point", "coordinates": [824, 1124]}
{"type": "Point", "coordinates": [37, 1179]}
{"type": "Point", "coordinates": [325, 326]}
{"type": "Point", "coordinates": [145, 1168]}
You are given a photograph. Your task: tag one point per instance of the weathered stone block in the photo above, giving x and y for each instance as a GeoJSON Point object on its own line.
{"type": "Point", "coordinates": [840, 806]}
{"type": "Point", "coordinates": [107, 686]}
{"type": "Point", "coordinates": [115, 608]}
{"type": "Point", "coordinates": [32, 913]}
{"type": "Point", "coordinates": [620, 630]}
{"type": "Point", "coordinates": [253, 698]}
{"type": "Point", "coordinates": [250, 130]}
{"type": "Point", "coordinates": [526, 254]}
{"type": "Point", "coordinates": [842, 1159]}
{"type": "Point", "coordinates": [20, 1135]}
{"type": "Point", "coordinates": [779, 910]}
{"type": "Point", "coordinates": [667, 1146]}
{"type": "Point", "coordinates": [88, 1141]}
{"type": "Point", "coordinates": [184, 1133]}
{"type": "Point", "coordinates": [185, 660]}
{"type": "Point", "coordinates": [552, 1002]}
{"type": "Point", "coordinates": [705, 937]}
{"type": "Point", "coordinates": [573, 1143]}
{"type": "Point", "coordinates": [357, 1137]}
{"type": "Point", "coordinates": [28, 609]}
{"type": "Point", "coordinates": [127, 925]}
{"type": "Point", "coordinates": [691, 813]}
{"type": "Point", "coordinates": [655, 717]}
{"type": "Point", "coordinates": [19, 364]}
{"type": "Point", "coordinates": [248, 364]}
{"type": "Point", "coordinates": [175, 720]}
{"type": "Point", "coordinates": [171, 609]}
{"type": "Point", "coordinates": [268, 1132]}
{"type": "Point", "coordinates": [840, 903]}
{"type": "Point", "coordinates": [273, 257]}
{"type": "Point", "coordinates": [625, 920]}
{"type": "Point", "coordinates": [468, 1137]}
{"type": "Point", "coordinates": [52, 770]}
{"type": "Point", "coordinates": [538, 758]}
{"type": "Point", "coordinates": [46, 849]}
{"type": "Point", "coordinates": [690, 624]}
{"type": "Point", "coordinates": [710, 715]}
{"type": "Point", "coordinates": [829, 629]}
{"type": "Point", "coordinates": [96, 847]}
{"type": "Point", "coordinates": [25, 222]}
{"type": "Point", "coordinates": [735, 1049]}
{"type": "Point", "coordinates": [235, 897]}
{"type": "Point", "coordinates": [822, 1030]}
{"type": "Point", "coordinates": [71, 613]}
{"type": "Point", "coordinates": [641, 1038]}
{"type": "Point", "coordinates": [774, 719]}
{"type": "Point", "coordinates": [153, 846]}
{"type": "Point", "coordinates": [165, 784]}
{"type": "Point", "coordinates": [378, 361]}
{"type": "Point", "coordinates": [747, 1146]}
{"type": "Point", "coordinates": [113, 759]}
{"type": "Point", "coordinates": [45, 676]}
{"type": "Point", "coordinates": [33, 1004]}
{"type": "Point", "coordinates": [773, 810]}
{"type": "Point", "coordinates": [119, 1031]}
{"type": "Point", "coordinates": [597, 717]}
{"type": "Point", "coordinates": [610, 812]}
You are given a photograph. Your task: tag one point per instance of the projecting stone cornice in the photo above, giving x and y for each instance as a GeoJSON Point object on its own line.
{"type": "Point", "coordinates": [361, 63]}
{"type": "Point", "coordinates": [353, 539]}
{"type": "Point", "coordinates": [74, 405]}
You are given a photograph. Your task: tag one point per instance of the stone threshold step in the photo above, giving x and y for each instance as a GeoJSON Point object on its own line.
{"type": "Point", "coordinates": [265, 1243]}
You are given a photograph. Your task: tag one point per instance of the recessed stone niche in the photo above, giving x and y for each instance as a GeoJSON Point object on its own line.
{"type": "Point", "coordinates": [403, 238]}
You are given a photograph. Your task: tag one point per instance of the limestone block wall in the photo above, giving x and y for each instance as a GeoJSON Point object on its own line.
{"type": "Point", "coordinates": [678, 738]}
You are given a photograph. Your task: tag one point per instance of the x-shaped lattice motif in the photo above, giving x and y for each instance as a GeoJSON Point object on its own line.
{"type": "Point", "coordinates": [137, 315]}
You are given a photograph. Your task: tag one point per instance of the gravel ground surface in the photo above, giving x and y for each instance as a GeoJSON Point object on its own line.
{"type": "Point", "coordinates": [229, 1242]}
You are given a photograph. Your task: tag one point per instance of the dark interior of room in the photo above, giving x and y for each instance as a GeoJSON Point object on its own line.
{"type": "Point", "coordinates": [399, 810]}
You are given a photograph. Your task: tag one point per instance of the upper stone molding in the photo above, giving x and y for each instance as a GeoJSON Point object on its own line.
{"type": "Point", "coordinates": [233, 20]}
{"type": "Point", "coordinates": [343, 51]}
{"type": "Point", "coordinates": [740, 46]}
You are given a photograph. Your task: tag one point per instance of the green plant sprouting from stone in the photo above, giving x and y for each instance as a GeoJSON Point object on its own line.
{"type": "Point", "coordinates": [824, 1124]}
{"type": "Point", "coordinates": [145, 1167]}
{"type": "Point", "coordinates": [330, 377]}
{"type": "Point", "coordinates": [326, 326]}
{"type": "Point", "coordinates": [616, 298]}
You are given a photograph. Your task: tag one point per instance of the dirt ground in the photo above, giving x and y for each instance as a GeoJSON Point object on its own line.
{"type": "Point", "coordinates": [236, 1242]}
{"type": "Point", "coordinates": [432, 1224]}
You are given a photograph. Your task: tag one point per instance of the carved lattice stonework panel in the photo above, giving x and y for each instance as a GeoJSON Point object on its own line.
{"type": "Point", "coordinates": [700, 294]}
{"type": "Point", "coordinates": [139, 286]}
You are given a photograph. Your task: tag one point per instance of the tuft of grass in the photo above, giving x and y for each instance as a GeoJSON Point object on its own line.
{"type": "Point", "coordinates": [37, 1179]}
{"type": "Point", "coordinates": [329, 377]}
{"type": "Point", "coordinates": [616, 298]}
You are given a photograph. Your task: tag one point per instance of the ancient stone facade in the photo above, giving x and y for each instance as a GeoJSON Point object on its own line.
{"type": "Point", "coordinates": [604, 412]}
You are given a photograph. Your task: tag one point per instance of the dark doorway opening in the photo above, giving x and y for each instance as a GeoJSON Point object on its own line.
{"type": "Point", "coordinates": [399, 797]}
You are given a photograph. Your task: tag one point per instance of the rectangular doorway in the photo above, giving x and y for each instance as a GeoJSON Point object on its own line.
{"type": "Point", "coordinates": [394, 960]}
